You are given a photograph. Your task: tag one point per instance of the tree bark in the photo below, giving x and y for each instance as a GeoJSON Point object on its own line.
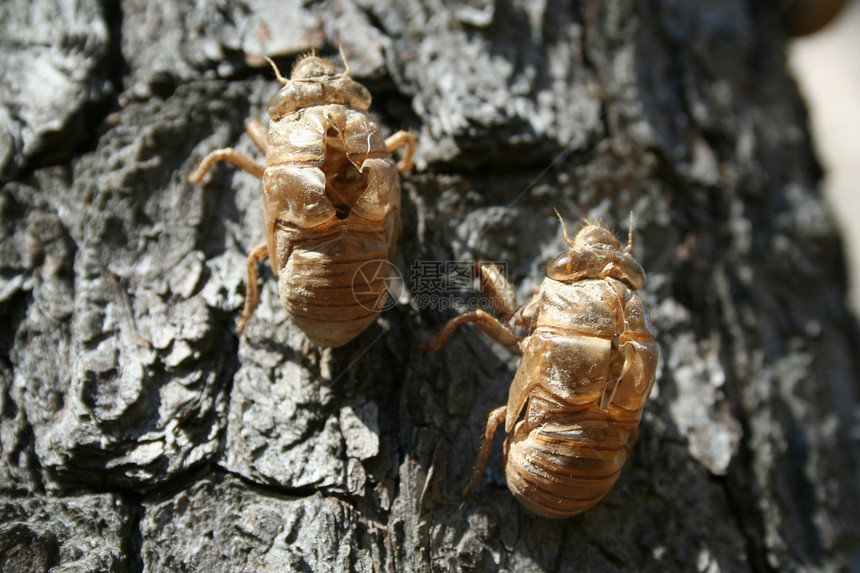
{"type": "Point", "coordinates": [138, 432]}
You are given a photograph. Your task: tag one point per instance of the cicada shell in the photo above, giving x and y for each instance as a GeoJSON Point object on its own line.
{"type": "Point", "coordinates": [331, 201]}
{"type": "Point", "coordinates": [588, 366]}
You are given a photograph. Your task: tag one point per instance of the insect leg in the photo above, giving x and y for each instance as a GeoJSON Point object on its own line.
{"type": "Point", "coordinates": [486, 322]}
{"type": "Point", "coordinates": [258, 133]}
{"type": "Point", "coordinates": [495, 418]}
{"type": "Point", "coordinates": [252, 292]}
{"type": "Point", "coordinates": [498, 289]}
{"type": "Point", "coordinates": [397, 141]}
{"type": "Point", "coordinates": [229, 155]}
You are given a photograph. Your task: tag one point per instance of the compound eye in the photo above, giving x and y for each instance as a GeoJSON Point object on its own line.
{"type": "Point", "coordinates": [277, 104]}
{"type": "Point", "coordinates": [282, 104]}
{"type": "Point", "coordinates": [560, 267]}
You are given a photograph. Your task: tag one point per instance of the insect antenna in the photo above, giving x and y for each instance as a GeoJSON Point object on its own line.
{"type": "Point", "coordinates": [629, 246]}
{"type": "Point", "coordinates": [563, 228]}
{"type": "Point", "coordinates": [277, 71]}
{"type": "Point", "coordinates": [343, 58]}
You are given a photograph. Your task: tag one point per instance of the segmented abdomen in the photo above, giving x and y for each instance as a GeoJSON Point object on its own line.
{"type": "Point", "coordinates": [567, 466]}
{"type": "Point", "coordinates": [334, 289]}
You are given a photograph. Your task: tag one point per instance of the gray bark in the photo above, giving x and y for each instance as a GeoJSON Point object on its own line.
{"type": "Point", "coordinates": [138, 432]}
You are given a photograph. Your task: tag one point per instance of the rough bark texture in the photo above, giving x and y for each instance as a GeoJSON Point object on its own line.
{"type": "Point", "coordinates": [139, 432]}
